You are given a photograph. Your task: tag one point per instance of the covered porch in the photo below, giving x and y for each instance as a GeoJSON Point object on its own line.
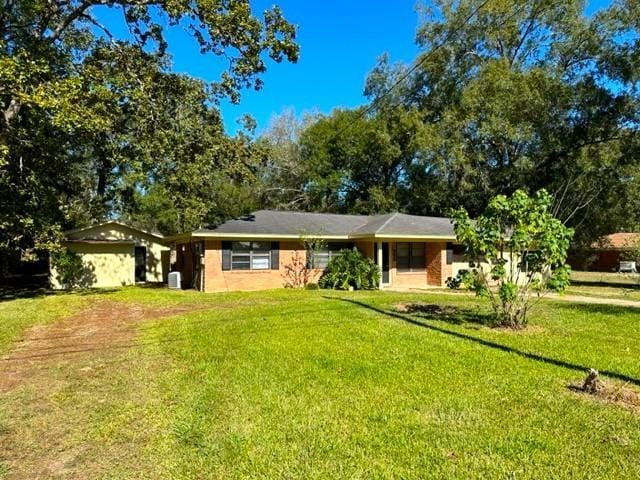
{"type": "Point", "coordinates": [415, 264]}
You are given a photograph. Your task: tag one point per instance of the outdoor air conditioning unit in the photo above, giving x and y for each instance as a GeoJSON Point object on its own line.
{"type": "Point", "coordinates": [174, 280]}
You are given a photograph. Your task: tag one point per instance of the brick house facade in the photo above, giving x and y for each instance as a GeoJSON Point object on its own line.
{"type": "Point", "coordinates": [266, 250]}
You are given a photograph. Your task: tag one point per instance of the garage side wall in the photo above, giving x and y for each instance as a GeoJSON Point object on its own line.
{"type": "Point", "coordinates": [105, 265]}
{"type": "Point", "coordinates": [157, 253]}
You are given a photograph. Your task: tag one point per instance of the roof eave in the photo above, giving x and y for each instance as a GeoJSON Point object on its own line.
{"type": "Point", "coordinates": [280, 236]}
{"type": "Point", "coordinates": [113, 222]}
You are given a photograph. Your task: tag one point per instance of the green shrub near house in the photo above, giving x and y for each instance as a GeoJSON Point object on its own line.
{"type": "Point", "coordinates": [351, 270]}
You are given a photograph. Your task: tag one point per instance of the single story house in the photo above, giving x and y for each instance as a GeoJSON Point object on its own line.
{"type": "Point", "coordinates": [114, 254]}
{"type": "Point", "coordinates": [263, 249]}
{"type": "Point", "coordinates": [605, 254]}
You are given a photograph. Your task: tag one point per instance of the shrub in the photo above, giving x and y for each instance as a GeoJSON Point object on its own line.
{"type": "Point", "coordinates": [311, 286]}
{"type": "Point", "coordinates": [454, 283]}
{"type": "Point", "coordinates": [70, 270]}
{"type": "Point", "coordinates": [351, 269]}
{"type": "Point", "coordinates": [515, 249]}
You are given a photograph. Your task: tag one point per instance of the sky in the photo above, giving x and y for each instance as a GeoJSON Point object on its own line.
{"type": "Point", "coordinates": [339, 44]}
{"type": "Point", "coordinates": [340, 41]}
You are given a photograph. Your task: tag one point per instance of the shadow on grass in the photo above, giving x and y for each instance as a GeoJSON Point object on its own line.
{"type": "Point", "coordinates": [8, 293]}
{"type": "Point", "coordinates": [612, 284]}
{"type": "Point", "coordinates": [449, 314]}
{"type": "Point", "coordinates": [491, 344]}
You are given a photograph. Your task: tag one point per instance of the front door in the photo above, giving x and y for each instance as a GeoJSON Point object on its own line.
{"type": "Point", "coordinates": [385, 263]}
{"type": "Point", "coordinates": [141, 264]}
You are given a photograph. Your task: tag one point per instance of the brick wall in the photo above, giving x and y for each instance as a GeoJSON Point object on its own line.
{"type": "Point", "coordinates": [292, 252]}
{"type": "Point", "coordinates": [437, 269]}
{"type": "Point", "coordinates": [292, 256]}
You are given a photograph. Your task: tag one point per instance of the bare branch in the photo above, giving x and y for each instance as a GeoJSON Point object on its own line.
{"type": "Point", "coordinates": [11, 111]}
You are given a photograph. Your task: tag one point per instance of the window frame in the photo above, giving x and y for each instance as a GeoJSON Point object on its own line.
{"type": "Point", "coordinates": [411, 268]}
{"type": "Point", "coordinates": [458, 251]}
{"type": "Point", "coordinates": [251, 254]}
{"type": "Point", "coordinates": [329, 254]}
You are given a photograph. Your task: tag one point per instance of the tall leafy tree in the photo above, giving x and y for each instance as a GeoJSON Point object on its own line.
{"type": "Point", "coordinates": [357, 161]}
{"type": "Point", "coordinates": [529, 94]}
{"type": "Point", "coordinates": [85, 126]}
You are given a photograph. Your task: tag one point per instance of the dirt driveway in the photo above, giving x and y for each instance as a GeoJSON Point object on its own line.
{"type": "Point", "coordinates": [98, 331]}
{"type": "Point", "coordinates": [36, 438]}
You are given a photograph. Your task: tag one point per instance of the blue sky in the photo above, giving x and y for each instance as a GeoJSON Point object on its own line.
{"type": "Point", "coordinates": [339, 40]}
{"type": "Point", "coordinates": [339, 44]}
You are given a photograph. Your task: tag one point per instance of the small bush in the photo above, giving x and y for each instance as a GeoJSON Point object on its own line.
{"type": "Point", "coordinates": [69, 268]}
{"type": "Point", "coordinates": [350, 269]}
{"type": "Point", "coordinates": [455, 283]}
{"type": "Point", "coordinates": [311, 286]}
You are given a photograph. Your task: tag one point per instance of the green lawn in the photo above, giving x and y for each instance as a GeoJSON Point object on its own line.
{"type": "Point", "coordinates": [605, 278]}
{"type": "Point", "coordinates": [322, 384]}
{"type": "Point", "coordinates": [608, 285]}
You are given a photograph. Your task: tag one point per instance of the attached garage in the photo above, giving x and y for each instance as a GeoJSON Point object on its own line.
{"type": "Point", "coordinates": [113, 254]}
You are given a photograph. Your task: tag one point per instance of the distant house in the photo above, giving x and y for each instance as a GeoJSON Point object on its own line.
{"type": "Point", "coordinates": [256, 251]}
{"type": "Point", "coordinates": [606, 254]}
{"type": "Point", "coordinates": [114, 254]}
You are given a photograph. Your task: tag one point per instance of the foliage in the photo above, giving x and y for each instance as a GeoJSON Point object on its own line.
{"type": "Point", "coordinates": [505, 95]}
{"type": "Point", "coordinates": [92, 121]}
{"type": "Point", "coordinates": [515, 248]}
{"type": "Point", "coordinates": [297, 272]}
{"type": "Point", "coordinates": [356, 163]}
{"type": "Point", "coordinates": [350, 269]}
{"type": "Point", "coordinates": [534, 98]}
{"type": "Point", "coordinates": [69, 267]}
{"type": "Point", "coordinates": [454, 283]}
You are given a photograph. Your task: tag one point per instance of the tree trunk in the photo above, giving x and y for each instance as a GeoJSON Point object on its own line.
{"type": "Point", "coordinates": [592, 382]}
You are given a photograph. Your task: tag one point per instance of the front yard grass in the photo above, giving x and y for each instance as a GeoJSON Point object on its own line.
{"type": "Point", "coordinates": [323, 384]}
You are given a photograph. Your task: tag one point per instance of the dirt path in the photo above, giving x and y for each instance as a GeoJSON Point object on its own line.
{"type": "Point", "coordinates": [99, 331]}
{"type": "Point", "coordinates": [42, 439]}
{"type": "Point", "coordinates": [621, 302]}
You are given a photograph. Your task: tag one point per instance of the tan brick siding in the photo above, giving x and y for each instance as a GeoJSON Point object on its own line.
{"type": "Point", "coordinates": [435, 272]}
{"type": "Point", "coordinates": [437, 269]}
{"type": "Point", "coordinates": [218, 280]}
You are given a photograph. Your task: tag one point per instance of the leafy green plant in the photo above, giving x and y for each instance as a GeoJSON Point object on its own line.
{"type": "Point", "coordinates": [350, 269]}
{"type": "Point", "coordinates": [311, 286]}
{"type": "Point", "coordinates": [515, 248]}
{"type": "Point", "coordinates": [69, 267]}
{"type": "Point", "coordinates": [454, 283]}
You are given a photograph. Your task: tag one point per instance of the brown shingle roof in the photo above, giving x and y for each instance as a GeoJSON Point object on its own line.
{"type": "Point", "coordinates": [617, 241]}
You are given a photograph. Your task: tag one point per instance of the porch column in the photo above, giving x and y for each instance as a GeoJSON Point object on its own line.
{"type": "Point", "coordinates": [379, 262]}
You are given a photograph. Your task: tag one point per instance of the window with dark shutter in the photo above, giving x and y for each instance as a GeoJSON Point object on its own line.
{"type": "Point", "coordinates": [275, 255]}
{"type": "Point", "coordinates": [226, 255]}
{"type": "Point", "coordinates": [250, 255]}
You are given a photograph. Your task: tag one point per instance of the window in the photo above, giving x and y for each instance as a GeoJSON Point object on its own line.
{"type": "Point", "coordinates": [455, 253]}
{"type": "Point", "coordinates": [321, 257]}
{"type": "Point", "coordinates": [250, 255]}
{"type": "Point", "coordinates": [410, 257]}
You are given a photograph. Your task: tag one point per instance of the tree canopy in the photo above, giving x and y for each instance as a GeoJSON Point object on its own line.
{"type": "Point", "coordinates": [94, 125]}
{"type": "Point", "coordinates": [504, 95]}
